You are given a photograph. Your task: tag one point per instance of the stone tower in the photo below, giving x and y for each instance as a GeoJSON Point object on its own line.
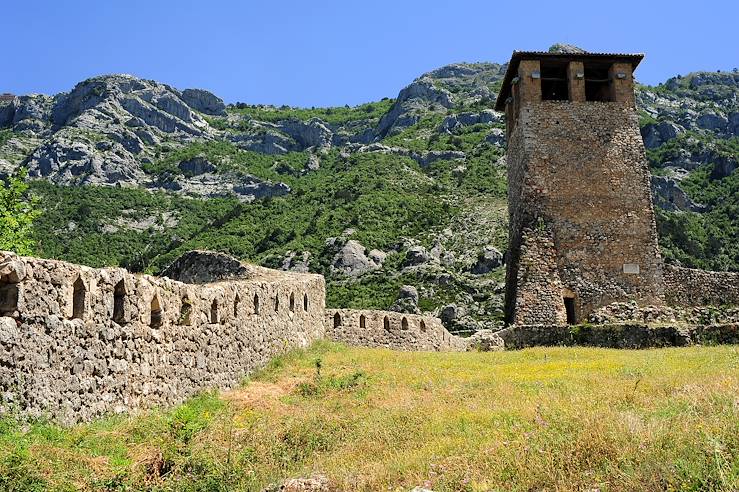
{"type": "Point", "coordinates": [581, 223]}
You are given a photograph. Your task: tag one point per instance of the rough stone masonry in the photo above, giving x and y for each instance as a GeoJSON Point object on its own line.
{"type": "Point", "coordinates": [581, 222]}
{"type": "Point", "coordinates": [78, 342]}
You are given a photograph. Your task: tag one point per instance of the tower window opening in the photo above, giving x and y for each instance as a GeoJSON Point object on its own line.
{"type": "Point", "coordinates": [554, 82]}
{"type": "Point", "coordinates": [570, 309]}
{"type": "Point", "coordinates": [597, 83]}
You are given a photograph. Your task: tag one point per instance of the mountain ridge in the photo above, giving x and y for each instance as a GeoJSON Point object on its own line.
{"type": "Point", "coordinates": [404, 191]}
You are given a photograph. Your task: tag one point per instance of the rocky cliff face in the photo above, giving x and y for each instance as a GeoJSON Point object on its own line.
{"type": "Point", "coordinates": [102, 130]}
{"type": "Point", "coordinates": [439, 91]}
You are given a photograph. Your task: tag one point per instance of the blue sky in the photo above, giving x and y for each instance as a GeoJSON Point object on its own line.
{"type": "Point", "coordinates": [320, 53]}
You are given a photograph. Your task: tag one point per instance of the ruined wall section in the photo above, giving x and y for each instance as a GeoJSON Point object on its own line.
{"type": "Point", "coordinates": [691, 287]}
{"type": "Point", "coordinates": [539, 288]}
{"type": "Point", "coordinates": [580, 168]}
{"type": "Point", "coordinates": [200, 267]}
{"type": "Point", "coordinates": [399, 331]}
{"type": "Point", "coordinates": [77, 342]}
{"type": "Point", "coordinates": [629, 335]}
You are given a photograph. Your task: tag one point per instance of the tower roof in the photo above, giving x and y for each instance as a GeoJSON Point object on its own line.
{"type": "Point", "coordinates": [518, 56]}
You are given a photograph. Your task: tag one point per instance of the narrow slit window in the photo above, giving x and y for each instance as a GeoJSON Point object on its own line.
{"type": "Point", "coordinates": [362, 321]}
{"type": "Point", "coordinates": [8, 298]}
{"type": "Point", "coordinates": [292, 302]}
{"type": "Point", "coordinates": [256, 303]}
{"type": "Point", "coordinates": [237, 301]}
{"type": "Point", "coordinates": [185, 311]}
{"type": "Point", "coordinates": [155, 313]}
{"type": "Point", "coordinates": [337, 320]}
{"type": "Point", "coordinates": [305, 302]}
{"type": "Point", "coordinates": [214, 312]}
{"type": "Point", "coordinates": [422, 325]}
{"type": "Point", "coordinates": [78, 299]}
{"type": "Point", "coordinates": [119, 302]}
{"type": "Point", "coordinates": [386, 323]}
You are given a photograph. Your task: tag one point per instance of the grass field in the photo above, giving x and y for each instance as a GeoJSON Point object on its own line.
{"type": "Point", "coordinates": [537, 419]}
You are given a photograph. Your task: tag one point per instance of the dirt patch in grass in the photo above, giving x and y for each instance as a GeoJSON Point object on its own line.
{"type": "Point", "coordinates": [261, 395]}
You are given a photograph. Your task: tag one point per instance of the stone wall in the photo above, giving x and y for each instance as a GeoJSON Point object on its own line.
{"type": "Point", "coordinates": [691, 287]}
{"type": "Point", "coordinates": [580, 169]}
{"type": "Point", "coordinates": [620, 335]}
{"type": "Point", "coordinates": [620, 312]}
{"type": "Point", "coordinates": [78, 342]}
{"type": "Point", "coordinates": [368, 328]}
{"type": "Point", "coordinates": [538, 286]}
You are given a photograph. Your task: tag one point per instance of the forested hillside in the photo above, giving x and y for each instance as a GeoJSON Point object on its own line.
{"type": "Point", "coordinates": [405, 191]}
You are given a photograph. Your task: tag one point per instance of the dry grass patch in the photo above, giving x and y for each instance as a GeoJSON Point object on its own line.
{"type": "Point", "coordinates": [372, 419]}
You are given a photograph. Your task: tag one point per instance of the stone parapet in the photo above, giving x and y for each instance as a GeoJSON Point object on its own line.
{"type": "Point", "coordinates": [79, 342]}
{"type": "Point", "coordinates": [369, 328]}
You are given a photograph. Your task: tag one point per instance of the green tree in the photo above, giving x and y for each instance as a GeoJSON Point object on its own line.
{"type": "Point", "coordinates": [17, 214]}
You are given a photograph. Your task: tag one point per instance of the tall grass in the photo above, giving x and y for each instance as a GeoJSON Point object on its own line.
{"type": "Point", "coordinates": [372, 419]}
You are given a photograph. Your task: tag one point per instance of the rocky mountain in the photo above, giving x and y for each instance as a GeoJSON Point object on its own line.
{"type": "Point", "coordinates": [401, 203]}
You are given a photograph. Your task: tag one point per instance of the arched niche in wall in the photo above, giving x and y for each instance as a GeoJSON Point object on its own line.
{"type": "Point", "coordinates": [362, 321]}
{"type": "Point", "coordinates": [404, 323]}
{"type": "Point", "coordinates": [79, 294]}
{"type": "Point", "coordinates": [8, 298]}
{"type": "Point", "coordinates": [337, 320]}
{"type": "Point", "coordinates": [386, 323]}
{"type": "Point", "coordinates": [214, 311]}
{"type": "Point", "coordinates": [185, 311]}
{"type": "Point", "coordinates": [119, 302]}
{"type": "Point", "coordinates": [155, 312]}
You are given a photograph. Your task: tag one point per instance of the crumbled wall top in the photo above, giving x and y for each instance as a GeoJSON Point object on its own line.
{"type": "Point", "coordinates": [201, 267]}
